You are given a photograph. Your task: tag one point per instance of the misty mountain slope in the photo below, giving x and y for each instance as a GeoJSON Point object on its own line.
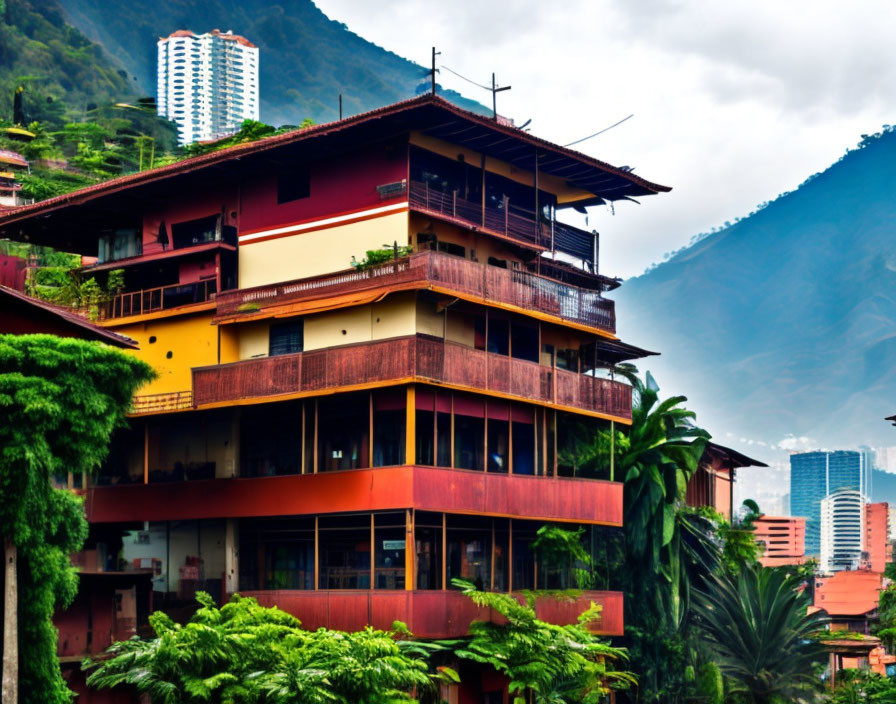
{"type": "Point", "coordinates": [785, 322]}
{"type": "Point", "coordinates": [306, 60]}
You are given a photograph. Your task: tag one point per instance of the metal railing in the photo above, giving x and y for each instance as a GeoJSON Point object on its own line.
{"type": "Point", "coordinates": [151, 300]}
{"type": "Point", "coordinates": [158, 403]}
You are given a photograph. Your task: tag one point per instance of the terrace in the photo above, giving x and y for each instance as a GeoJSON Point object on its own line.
{"type": "Point", "coordinates": [512, 288]}
{"type": "Point", "coordinates": [409, 359]}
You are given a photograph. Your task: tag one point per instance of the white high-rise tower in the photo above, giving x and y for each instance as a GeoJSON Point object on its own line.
{"type": "Point", "coordinates": [207, 83]}
{"type": "Point", "coordinates": [842, 530]}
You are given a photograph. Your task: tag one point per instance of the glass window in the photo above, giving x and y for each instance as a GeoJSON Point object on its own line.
{"type": "Point", "coordinates": [524, 341]}
{"type": "Point", "coordinates": [389, 545]}
{"type": "Point", "coordinates": [498, 436]}
{"type": "Point", "coordinates": [276, 553]}
{"type": "Point", "coordinates": [271, 441]}
{"type": "Point", "coordinates": [523, 427]}
{"type": "Point", "coordinates": [498, 336]}
{"type": "Point", "coordinates": [344, 549]}
{"type": "Point", "coordinates": [428, 527]}
{"type": "Point", "coordinates": [343, 431]}
{"type": "Point", "coordinates": [389, 419]}
{"type": "Point", "coordinates": [469, 550]}
{"type": "Point", "coordinates": [523, 557]}
{"type": "Point", "coordinates": [186, 234]}
{"type": "Point", "coordinates": [469, 432]}
{"type": "Point", "coordinates": [293, 185]}
{"type": "Point", "coordinates": [286, 338]}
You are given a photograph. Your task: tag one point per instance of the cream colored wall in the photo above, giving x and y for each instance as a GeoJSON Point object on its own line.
{"type": "Point", "coordinates": [546, 182]}
{"type": "Point", "coordinates": [482, 245]}
{"type": "Point", "coordinates": [254, 339]}
{"type": "Point", "coordinates": [429, 320]}
{"type": "Point", "coordinates": [460, 329]}
{"type": "Point", "coordinates": [394, 316]}
{"type": "Point", "coordinates": [192, 341]}
{"type": "Point", "coordinates": [318, 252]}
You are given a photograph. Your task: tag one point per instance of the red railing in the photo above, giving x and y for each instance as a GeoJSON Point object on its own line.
{"type": "Point", "coordinates": [521, 289]}
{"type": "Point", "coordinates": [151, 300]}
{"type": "Point", "coordinates": [409, 358]}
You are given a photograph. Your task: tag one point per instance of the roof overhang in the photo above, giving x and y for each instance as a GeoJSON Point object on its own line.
{"type": "Point", "coordinates": [66, 223]}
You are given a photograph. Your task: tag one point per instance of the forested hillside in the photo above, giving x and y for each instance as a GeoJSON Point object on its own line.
{"type": "Point", "coordinates": [306, 59]}
{"type": "Point", "coordinates": [785, 322]}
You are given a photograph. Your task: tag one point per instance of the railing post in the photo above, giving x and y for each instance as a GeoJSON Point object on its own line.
{"type": "Point", "coordinates": [506, 214]}
{"type": "Point", "coordinates": [454, 203]}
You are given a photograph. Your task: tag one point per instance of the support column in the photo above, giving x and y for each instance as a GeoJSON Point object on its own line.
{"type": "Point", "coordinates": [410, 552]}
{"type": "Point", "coordinates": [231, 556]}
{"type": "Point", "coordinates": [410, 431]}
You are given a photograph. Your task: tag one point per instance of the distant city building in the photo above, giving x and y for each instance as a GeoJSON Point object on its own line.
{"type": "Point", "coordinates": [885, 459]}
{"type": "Point", "coordinates": [877, 529]}
{"type": "Point", "coordinates": [783, 539]}
{"type": "Point", "coordinates": [207, 83]}
{"type": "Point", "coordinates": [842, 530]}
{"type": "Point", "coordinates": [815, 475]}
{"type": "Point", "coordinates": [891, 531]}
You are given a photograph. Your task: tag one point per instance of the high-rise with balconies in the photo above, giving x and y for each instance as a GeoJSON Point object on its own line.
{"type": "Point", "coordinates": [344, 441]}
{"type": "Point", "coordinates": [207, 83]}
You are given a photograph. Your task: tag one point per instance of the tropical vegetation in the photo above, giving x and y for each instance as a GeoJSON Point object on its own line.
{"type": "Point", "coordinates": [60, 399]}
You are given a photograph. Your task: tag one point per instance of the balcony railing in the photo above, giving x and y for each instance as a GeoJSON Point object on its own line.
{"type": "Point", "coordinates": [159, 403]}
{"type": "Point", "coordinates": [520, 289]}
{"type": "Point", "coordinates": [151, 300]}
{"type": "Point", "coordinates": [409, 359]}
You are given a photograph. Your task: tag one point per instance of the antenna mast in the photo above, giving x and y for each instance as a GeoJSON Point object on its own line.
{"type": "Point", "coordinates": [434, 69]}
{"type": "Point", "coordinates": [495, 90]}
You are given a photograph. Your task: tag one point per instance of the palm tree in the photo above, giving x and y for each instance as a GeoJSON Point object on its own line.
{"type": "Point", "coordinates": [757, 625]}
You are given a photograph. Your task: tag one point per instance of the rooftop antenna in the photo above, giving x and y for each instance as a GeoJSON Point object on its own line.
{"type": "Point", "coordinates": [495, 90]}
{"type": "Point", "coordinates": [434, 69]}
{"type": "Point", "coordinates": [340, 106]}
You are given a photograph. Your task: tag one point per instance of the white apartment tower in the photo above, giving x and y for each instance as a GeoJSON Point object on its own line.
{"type": "Point", "coordinates": [208, 83]}
{"type": "Point", "coordinates": [842, 530]}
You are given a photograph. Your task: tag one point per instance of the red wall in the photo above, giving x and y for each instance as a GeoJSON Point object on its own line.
{"type": "Point", "coordinates": [12, 272]}
{"type": "Point", "coordinates": [189, 206]}
{"type": "Point", "coordinates": [428, 614]}
{"type": "Point", "coordinates": [426, 488]}
{"type": "Point", "coordinates": [343, 183]}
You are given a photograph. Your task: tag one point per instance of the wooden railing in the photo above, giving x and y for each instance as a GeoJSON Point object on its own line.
{"type": "Point", "coordinates": [409, 358]}
{"type": "Point", "coordinates": [156, 403]}
{"type": "Point", "coordinates": [521, 289]}
{"type": "Point", "coordinates": [151, 300]}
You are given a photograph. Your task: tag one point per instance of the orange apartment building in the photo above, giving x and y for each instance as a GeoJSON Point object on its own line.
{"type": "Point", "coordinates": [783, 539]}
{"type": "Point", "coordinates": [877, 530]}
{"type": "Point", "coordinates": [343, 442]}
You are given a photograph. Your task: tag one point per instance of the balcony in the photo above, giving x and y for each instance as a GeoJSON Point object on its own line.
{"type": "Point", "coordinates": [360, 490]}
{"type": "Point", "coordinates": [153, 300]}
{"type": "Point", "coordinates": [510, 223]}
{"type": "Point", "coordinates": [410, 359]}
{"type": "Point", "coordinates": [428, 614]}
{"type": "Point", "coordinates": [510, 287]}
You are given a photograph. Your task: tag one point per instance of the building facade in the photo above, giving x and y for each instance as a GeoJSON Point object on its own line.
{"type": "Point", "coordinates": [783, 539]}
{"type": "Point", "coordinates": [877, 530]}
{"type": "Point", "coordinates": [842, 530]}
{"type": "Point", "coordinates": [815, 475]}
{"type": "Point", "coordinates": [207, 83]}
{"type": "Point", "coordinates": [345, 441]}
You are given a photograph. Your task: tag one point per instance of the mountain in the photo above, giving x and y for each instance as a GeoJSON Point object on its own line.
{"type": "Point", "coordinates": [785, 322]}
{"type": "Point", "coordinates": [64, 74]}
{"type": "Point", "coordinates": [306, 59]}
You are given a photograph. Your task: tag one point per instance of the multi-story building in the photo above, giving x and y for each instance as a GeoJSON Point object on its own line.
{"type": "Point", "coordinates": [815, 475]}
{"type": "Point", "coordinates": [713, 483]}
{"type": "Point", "coordinates": [340, 441]}
{"type": "Point", "coordinates": [877, 530]}
{"type": "Point", "coordinates": [207, 83]}
{"type": "Point", "coordinates": [783, 539]}
{"type": "Point", "coordinates": [842, 530]}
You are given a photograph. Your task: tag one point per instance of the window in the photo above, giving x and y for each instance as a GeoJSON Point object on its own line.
{"type": "Point", "coordinates": [293, 185]}
{"type": "Point", "coordinates": [186, 234]}
{"type": "Point", "coordinates": [286, 338]}
{"type": "Point", "coordinates": [451, 248]}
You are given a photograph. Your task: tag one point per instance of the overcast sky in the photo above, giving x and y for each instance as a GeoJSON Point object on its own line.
{"type": "Point", "coordinates": [734, 101]}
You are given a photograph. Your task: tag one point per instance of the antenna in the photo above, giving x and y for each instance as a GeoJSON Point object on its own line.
{"type": "Point", "coordinates": [495, 90]}
{"type": "Point", "coordinates": [434, 69]}
{"type": "Point", "coordinates": [340, 106]}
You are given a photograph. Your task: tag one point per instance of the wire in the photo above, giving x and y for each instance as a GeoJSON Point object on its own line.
{"type": "Point", "coordinates": [601, 132]}
{"type": "Point", "coordinates": [479, 85]}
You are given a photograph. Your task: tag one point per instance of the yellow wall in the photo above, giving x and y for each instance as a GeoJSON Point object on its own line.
{"type": "Point", "coordinates": [546, 182]}
{"type": "Point", "coordinates": [192, 341]}
{"type": "Point", "coordinates": [318, 252]}
{"type": "Point", "coordinates": [230, 344]}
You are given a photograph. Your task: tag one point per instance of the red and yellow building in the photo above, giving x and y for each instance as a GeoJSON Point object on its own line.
{"type": "Point", "coordinates": [344, 441]}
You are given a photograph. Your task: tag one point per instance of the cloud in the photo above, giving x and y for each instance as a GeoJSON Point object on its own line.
{"type": "Point", "coordinates": [793, 443]}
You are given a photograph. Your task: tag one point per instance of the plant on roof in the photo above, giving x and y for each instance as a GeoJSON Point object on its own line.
{"type": "Point", "coordinates": [374, 257]}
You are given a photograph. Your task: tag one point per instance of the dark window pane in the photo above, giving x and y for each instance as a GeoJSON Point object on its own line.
{"type": "Point", "coordinates": [524, 342]}
{"type": "Point", "coordinates": [293, 185]}
{"type": "Point", "coordinates": [286, 338]}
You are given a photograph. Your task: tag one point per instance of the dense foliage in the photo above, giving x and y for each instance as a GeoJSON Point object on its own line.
{"type": "Point", "coordinates": [60, 398]}
{"type": "Point", "coordinates": [759, 631]}
{"type": "Point", "coordinates": [545, 663]}
{"type": "Point", "coordinates": [243, 653]}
